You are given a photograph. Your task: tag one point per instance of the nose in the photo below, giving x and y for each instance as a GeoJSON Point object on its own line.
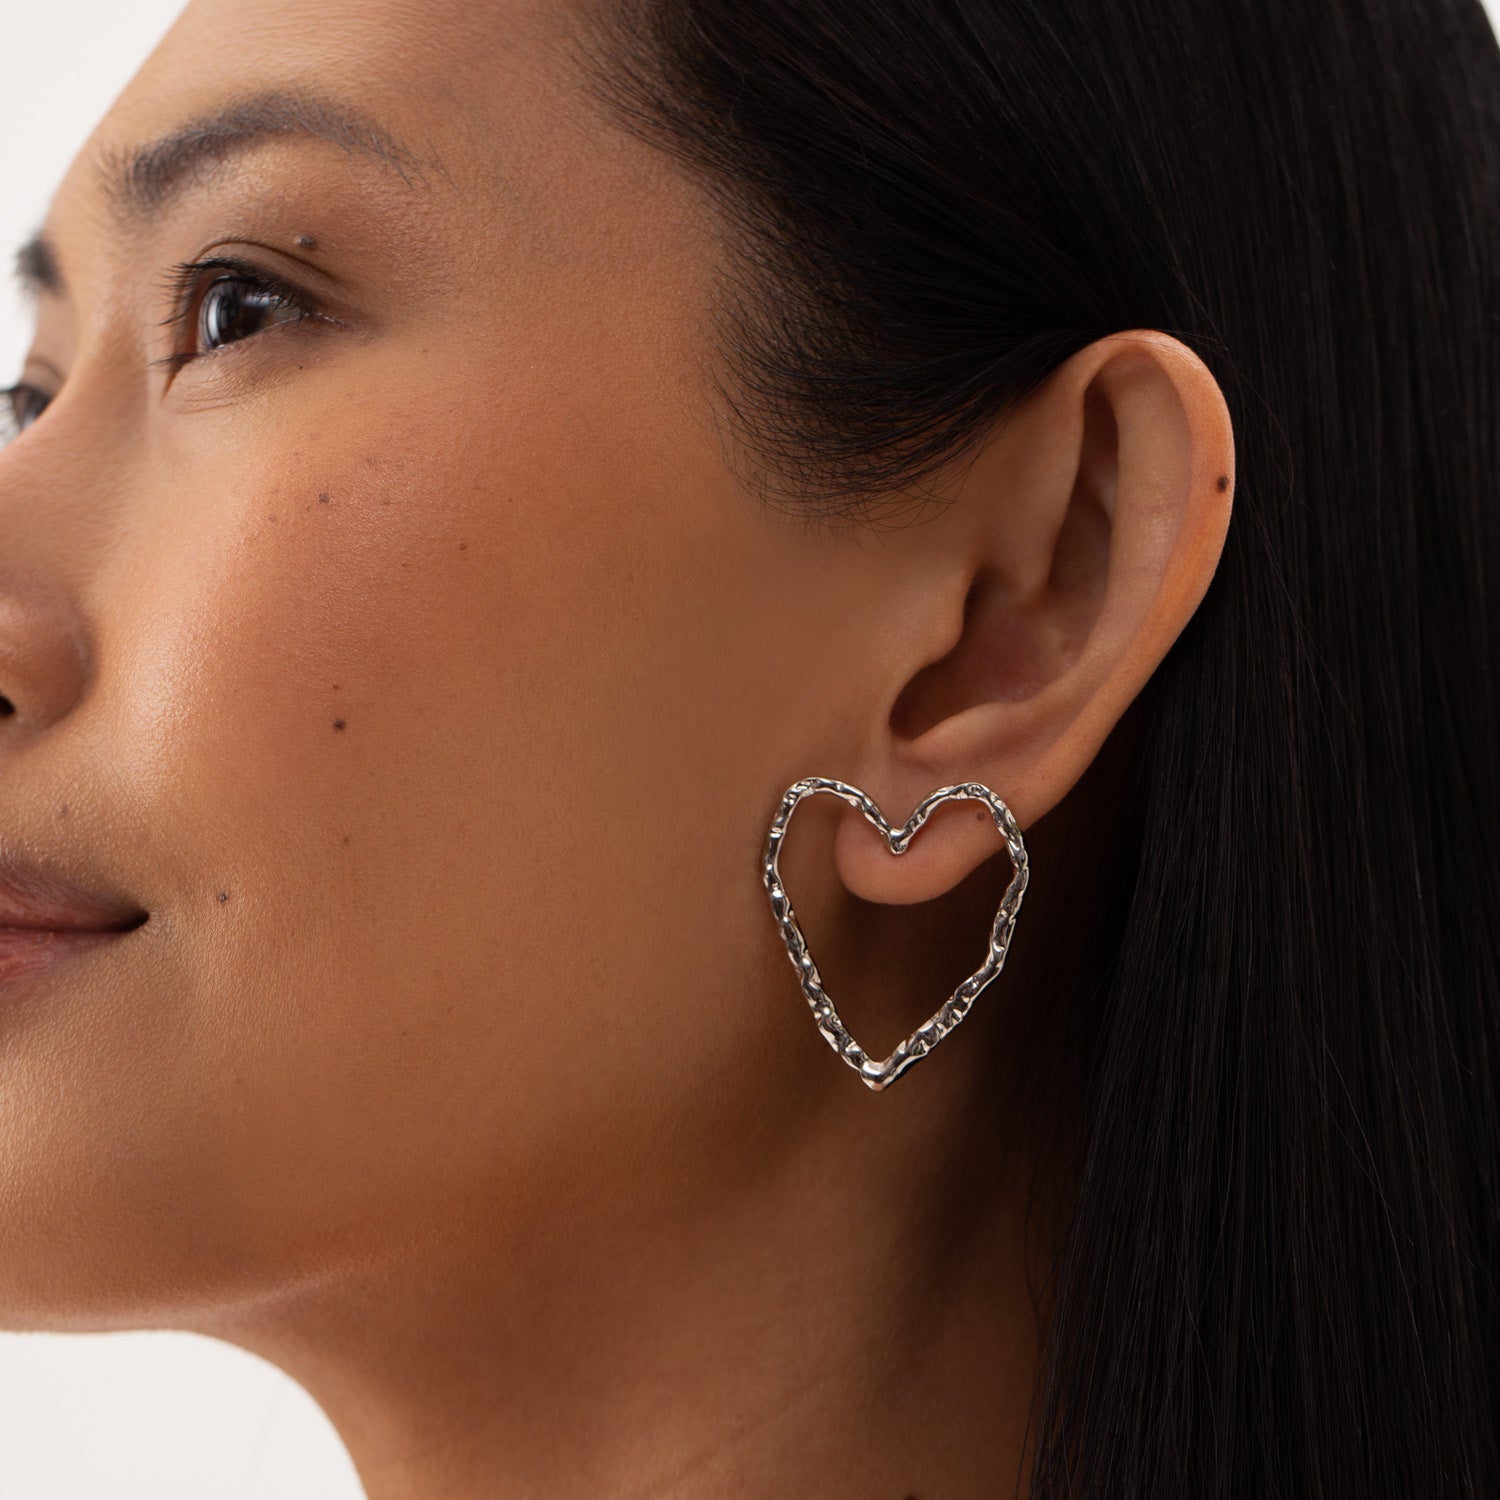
{"type": "Point", "coordinates": [54, 538]}
{"type": "Point", "coordinates": [44, 657]}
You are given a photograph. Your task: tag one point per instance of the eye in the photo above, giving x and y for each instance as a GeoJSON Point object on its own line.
{"type": "Point", "coordinates": [20, 406]}
{"type": "Point", "coordinates": [233, 309]}
{"type": "Point", "coordinates": [221, 301]}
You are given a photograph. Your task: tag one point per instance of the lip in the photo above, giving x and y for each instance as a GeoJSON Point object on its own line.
{"type": "Point", "coordinates": [25, 951]}
{"type": "Point", "coordinates": [45, 915]}
{"type": "Point", "coordinates": [36, 900]}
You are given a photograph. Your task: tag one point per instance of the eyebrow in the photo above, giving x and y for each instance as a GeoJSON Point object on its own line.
{"type": "Point", "coordinates": [37, 270]}
{"type": "Point", "coordinates": [138, 182]}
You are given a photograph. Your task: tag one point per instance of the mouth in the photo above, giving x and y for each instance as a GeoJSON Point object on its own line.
{"type": "Point", "coordinates": [45, 914]}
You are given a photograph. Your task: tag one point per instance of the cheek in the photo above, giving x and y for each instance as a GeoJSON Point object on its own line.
{"type": "Point", "coordinates": [358, 685]}
{"type": "Point", "coordinates": [335, 721]}
{"type": "Point", "coordinates": [403, 751]}
{"type": "Point", "coordinates": [432, 785]}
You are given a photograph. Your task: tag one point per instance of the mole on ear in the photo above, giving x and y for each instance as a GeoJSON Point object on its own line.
{"type": "Point", "coordinates": [1223, 483]}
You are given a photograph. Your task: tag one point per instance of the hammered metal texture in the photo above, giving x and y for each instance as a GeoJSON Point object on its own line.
{"type": "Point", "coordinates": [877, 1075]}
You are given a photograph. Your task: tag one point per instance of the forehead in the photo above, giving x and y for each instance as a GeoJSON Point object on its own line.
{"type": "Point", "coordinates": [434, 56]}
{"type": "Point", "coordinates": [524, 179]}
{"type": "Point", "coordinates": [450, 82]}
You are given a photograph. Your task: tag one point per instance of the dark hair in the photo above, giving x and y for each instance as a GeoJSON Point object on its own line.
{"type": "Point", "coordinates": [1280, 1272]}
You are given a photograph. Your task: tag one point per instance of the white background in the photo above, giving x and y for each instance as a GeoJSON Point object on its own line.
{"type": "Point", "coordinates": [128, 1416]}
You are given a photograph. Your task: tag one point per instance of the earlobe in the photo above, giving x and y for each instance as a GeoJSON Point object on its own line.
{"type": "Point", "coordinates": [1083, 537]}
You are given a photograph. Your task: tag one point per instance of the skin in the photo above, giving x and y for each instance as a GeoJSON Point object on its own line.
{"type": "Point", "coordinates": [460, 1069]}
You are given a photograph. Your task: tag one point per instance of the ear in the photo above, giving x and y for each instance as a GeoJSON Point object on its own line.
{"type": "Point", "coordinates": [1076, 545]}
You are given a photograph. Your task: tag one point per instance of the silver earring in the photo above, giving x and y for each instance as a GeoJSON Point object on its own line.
{"type": "Point", "coordinates": [877, 1075]}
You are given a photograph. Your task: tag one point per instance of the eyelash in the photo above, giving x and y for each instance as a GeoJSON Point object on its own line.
{"type": "Point", "coordinates": [181, 284]}
{"type": "Point", "coordinates": [11, 398]}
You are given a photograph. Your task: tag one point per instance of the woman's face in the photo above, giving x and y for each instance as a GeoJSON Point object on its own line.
{"type": "Point", "coordinates": [395, 633]}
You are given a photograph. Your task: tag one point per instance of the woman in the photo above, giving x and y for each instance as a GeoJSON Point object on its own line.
{"type": "Point", "coordinates": [476, 464]}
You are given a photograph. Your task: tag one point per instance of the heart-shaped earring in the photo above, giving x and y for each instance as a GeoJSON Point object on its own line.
{"type": "Point", "coordinates": [877, 1075]}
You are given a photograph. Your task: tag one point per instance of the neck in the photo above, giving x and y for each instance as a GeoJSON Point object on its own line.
{"type": "Point", "coordinates": [826, 1293]}
{"type": "Point", "coordinates": [857, 1320]}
